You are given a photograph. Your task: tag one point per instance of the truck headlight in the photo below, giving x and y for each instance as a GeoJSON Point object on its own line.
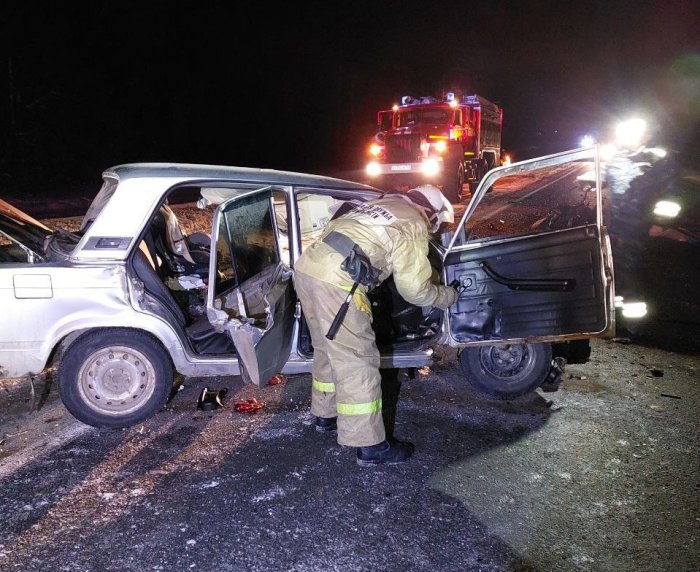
{"type": "Point", "coordinates": [373, 169]}
{"type": "Point", "coordinates": [440, 146]}
{"type": "Point", "coordinates": [431, 167]}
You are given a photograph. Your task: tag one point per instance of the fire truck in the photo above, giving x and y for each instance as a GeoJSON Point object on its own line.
{"type": "Point", "coordinates": [450, 142]}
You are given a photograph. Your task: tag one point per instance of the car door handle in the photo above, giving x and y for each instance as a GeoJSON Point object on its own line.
{"type": "Point", "coordinates": [531, 284]}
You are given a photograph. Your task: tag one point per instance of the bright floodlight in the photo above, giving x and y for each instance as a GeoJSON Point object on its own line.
{"type": "Point", "coordinates": [629, 133]}
{"type": "Point", "coordinates": [634, 309]}
{"type": "Point", "coordinates": [668, 209]}
{"type": "Point", "coordinates": [587, 141]}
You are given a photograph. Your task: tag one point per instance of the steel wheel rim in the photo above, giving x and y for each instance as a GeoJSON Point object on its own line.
{"type": "Point", "coordinates": [116, 380]}
{"type": "Point", "coordinates": [509, 362]}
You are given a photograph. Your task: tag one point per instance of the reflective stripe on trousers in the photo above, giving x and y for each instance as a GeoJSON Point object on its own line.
{"type": "Point", "coordinates": [349, 363]}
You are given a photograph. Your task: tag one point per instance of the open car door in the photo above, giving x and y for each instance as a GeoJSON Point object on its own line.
{"type": "Point", "coordinates": [251, 295]}
{"type": "Point", "coordinates": [531, 256]}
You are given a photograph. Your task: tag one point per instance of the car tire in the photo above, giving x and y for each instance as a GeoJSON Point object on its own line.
{"type": "Point", "coordinates": [114, 377]}
{"type": "Point", "coordinates": [506, 371]}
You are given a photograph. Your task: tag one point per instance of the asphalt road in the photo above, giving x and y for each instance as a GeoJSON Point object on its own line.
{"type": "Point", "coordinates": [601, 475]}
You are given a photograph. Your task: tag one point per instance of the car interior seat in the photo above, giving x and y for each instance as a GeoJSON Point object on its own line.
{"type": "Point", "coordinates": [170, 249]}
{"type": "Point", "coordinates": [203, 338]}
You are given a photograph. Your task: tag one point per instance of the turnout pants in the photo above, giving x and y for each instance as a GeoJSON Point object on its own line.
{"type": "Point", "coordinates": [346, 379]}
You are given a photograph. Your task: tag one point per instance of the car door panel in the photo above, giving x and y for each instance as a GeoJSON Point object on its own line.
{"type": "Point", "coordinates": [251, 294]}
{"type": "Point", "coordinates": [530, 256]}
{"type": "Point", "coordinates": [568, 299]}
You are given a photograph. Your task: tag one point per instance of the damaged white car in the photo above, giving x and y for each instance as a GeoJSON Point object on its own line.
{"type": "Point", "coordinates": [130, 299]}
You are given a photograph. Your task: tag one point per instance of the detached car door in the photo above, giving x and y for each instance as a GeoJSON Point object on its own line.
{"type": "Point", "coordinates": [531, 256]}
{"type": "Point", "coordinates": [251, 295]}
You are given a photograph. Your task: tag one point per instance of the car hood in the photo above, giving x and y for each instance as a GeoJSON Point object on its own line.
{"type": "Point", "coordinates": [22, 229]}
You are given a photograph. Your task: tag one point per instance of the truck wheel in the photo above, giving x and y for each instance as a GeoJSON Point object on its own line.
{"type": "Point", "coordinates": [114, 377]}
{"type": "Point", "coordinates": [453, 182]}
{"type": "Point", "coordinates": [506, 371]}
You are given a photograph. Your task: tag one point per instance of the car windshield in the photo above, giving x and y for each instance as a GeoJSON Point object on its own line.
{"type": "Point", "coordinates": [22, 229]}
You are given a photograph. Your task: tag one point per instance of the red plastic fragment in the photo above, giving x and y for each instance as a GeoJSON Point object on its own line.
{"type": "Point", "coordinates": [276, 379]}
{"type": "Point", "coordinates": [248, 405]}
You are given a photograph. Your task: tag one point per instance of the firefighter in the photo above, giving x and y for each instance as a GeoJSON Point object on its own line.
{"type": "Point", "coordinates": [362, 245]}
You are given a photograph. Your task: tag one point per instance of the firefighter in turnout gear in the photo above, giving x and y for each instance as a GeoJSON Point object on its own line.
{"type": "Point", "coordinates": [363, 245]}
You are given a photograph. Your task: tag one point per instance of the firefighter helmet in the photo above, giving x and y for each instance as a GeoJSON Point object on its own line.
{"type": "Point", "coordinates": [433, 202]}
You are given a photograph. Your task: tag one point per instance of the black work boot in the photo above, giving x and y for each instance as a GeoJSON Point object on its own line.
{"type": "Point", "coordinates": [326, 424]}
{"type": "Point", "coordinates": [386, 452]}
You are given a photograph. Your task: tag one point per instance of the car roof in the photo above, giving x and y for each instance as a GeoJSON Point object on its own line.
{"type": "Point", "coordinates": [141, 187]}
{"type": "Point", "coordinates": [196, 172]}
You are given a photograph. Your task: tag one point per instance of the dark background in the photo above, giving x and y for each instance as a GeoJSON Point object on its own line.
{"type": "Point", "coordinates": [88, 85]}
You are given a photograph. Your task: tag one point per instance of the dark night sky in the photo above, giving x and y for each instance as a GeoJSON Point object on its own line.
{"type": "Point", "coordinates": [88, 86]}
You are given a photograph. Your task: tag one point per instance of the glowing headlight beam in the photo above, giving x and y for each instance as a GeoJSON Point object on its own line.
{"type": "Point", "coordinates": [629, 133]}
{"type": "Point", "coordinates": [669, 209]}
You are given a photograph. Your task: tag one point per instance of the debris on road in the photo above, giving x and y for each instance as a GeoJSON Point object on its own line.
{"type": "Point", "coordinates": [210, 399]}
{"type": "Point", "coordinates": [251, 405]}
{"type": "Point", "coordinates": [277, 379]}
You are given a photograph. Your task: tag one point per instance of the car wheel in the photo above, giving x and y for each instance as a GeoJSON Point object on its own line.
{"type": "Point", "coordinates": [506, 371]}
{"type": "Point", "coordinates": [114, 377]}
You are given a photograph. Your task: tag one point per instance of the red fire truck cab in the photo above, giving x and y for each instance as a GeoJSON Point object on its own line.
{"type": "Point", "coordinates": [450, 142]}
